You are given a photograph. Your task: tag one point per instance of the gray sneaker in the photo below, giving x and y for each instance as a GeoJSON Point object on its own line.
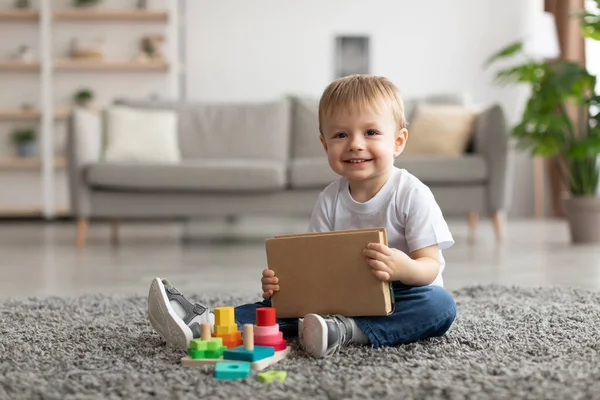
{"type": "Point", "coordinates": [175, 319]}
{"type": "Point", "coordinates": [324, 336]}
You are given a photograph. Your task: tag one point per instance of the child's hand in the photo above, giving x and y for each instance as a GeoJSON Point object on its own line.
{"type": "Point", "coordinates": [387, 263]}
{"type": "Point", "coordinates": [269, 283]}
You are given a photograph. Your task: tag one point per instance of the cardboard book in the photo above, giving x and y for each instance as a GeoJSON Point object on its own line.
{"type": "Point", "coordinates": [327, 273]}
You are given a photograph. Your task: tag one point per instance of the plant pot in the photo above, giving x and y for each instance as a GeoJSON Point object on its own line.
{"type": "Point", "coordinates": [583, 215]}
{"type": "Point", "coordinates": [84, 103]}
{"type": "Point", "coordinates": [26, 149]}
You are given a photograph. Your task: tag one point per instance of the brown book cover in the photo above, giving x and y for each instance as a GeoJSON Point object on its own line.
{"type": "Point", "coordinates": [326, 273]}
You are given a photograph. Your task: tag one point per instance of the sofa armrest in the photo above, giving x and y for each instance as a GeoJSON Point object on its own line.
{"type": "Point", "coordinates": [492, 141]}
{"type": "Point", "coordinates": [84, 144]}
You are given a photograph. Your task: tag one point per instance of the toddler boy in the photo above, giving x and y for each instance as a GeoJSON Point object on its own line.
{"type": "Point", "coordinates": [363, 129]}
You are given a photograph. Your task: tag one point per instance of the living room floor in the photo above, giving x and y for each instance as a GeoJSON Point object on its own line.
{"type": "Point", "coordinates": [40, 258]}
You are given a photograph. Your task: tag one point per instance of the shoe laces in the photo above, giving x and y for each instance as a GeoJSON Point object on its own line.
{"type": "Point", "coordinates": [344, 332]}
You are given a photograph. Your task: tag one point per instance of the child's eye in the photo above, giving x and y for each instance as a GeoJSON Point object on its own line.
{"type": "Point", "coordinates": [372, 132]}
{"type": "Point", "coordinates": [340, 135]}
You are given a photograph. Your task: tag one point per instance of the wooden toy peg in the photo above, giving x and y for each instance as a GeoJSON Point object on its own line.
{"type": "Point", "coordinates": [205, 331]}
{"type": "Point", "coordinates": [248, 337]}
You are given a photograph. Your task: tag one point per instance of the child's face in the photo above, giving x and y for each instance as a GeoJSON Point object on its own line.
{"type": "Point", "coordinates": [361, 146]}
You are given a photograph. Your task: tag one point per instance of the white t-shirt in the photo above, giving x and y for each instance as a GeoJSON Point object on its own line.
{"type": "Point", "coordinates": [404, 206]}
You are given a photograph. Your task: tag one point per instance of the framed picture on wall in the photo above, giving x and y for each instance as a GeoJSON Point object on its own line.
{"type": "Point", "coordinates": [351, 55]}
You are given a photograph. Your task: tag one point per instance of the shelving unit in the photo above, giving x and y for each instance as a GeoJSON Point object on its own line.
{"type": "Point", "coordinates": [47, 170]}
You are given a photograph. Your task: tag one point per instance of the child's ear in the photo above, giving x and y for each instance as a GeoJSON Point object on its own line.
{"type": "Point", "coordinates": [400, 142]}
{"type": "Point", "coordinates": [323, 142]}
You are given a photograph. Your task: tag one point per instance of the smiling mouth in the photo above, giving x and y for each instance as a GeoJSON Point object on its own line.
{"type": "Point", "coordinates": [357, 161]}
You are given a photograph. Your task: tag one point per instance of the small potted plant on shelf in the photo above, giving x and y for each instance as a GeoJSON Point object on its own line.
{"type": "Point", "coordinates": [85, 3]}
{"type": "Point", "coordinates": [22, 4]}
{"type": "Point", "coordinates": [24, 140]}
{"type": "Point", "coordinates": [151, 48]}
{"type": "Point", "coordinates": [562, 119]}
{"type": "Point", "coordinates": [83, 97]}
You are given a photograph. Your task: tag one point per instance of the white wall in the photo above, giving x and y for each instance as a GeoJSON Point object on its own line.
{"type": "Point", "coordinates": [262, 49]}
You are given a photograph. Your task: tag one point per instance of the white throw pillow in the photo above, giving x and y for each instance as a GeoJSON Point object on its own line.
{"type": "Point", "coordinates": [141, 136]}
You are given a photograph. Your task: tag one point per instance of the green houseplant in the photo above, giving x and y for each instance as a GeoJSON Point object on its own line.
{"type": "Point", "coordinates": [85, 3]}
{"type": "Point", "coordinates": [22, 4]}
{"type": "Point", "coordinates": [83, 97]}
{"type": "Point", "coordinates": [562, 118]}
{"type": "Point", "coordinates": [24, 140]}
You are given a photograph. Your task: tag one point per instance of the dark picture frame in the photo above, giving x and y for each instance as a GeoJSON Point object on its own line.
{"type": "Point", "coordinates": [351, 55]}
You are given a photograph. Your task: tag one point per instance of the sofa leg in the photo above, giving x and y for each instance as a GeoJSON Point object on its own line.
{"type": "Point", "coordinates": [498, 221]}
{"type": "Point", "coordinates": [82, 225]}
{"type": "Point", "coordinates": [473, 218]}
{"type": "Point", "coordinates": [114, 231]}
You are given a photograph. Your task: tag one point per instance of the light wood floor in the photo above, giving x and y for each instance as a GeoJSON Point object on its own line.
{"type": "Point", "coordinates": [40, 258]}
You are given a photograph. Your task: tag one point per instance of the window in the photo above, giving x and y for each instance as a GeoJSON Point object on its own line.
{"type": "Point", "coordinates": [592, 48]}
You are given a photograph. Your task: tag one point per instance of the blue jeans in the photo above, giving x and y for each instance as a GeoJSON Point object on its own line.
{"type": "Point", "coordinates": [421, 312]}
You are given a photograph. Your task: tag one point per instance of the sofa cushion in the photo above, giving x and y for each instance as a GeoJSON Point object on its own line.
{"type": "Point", "coordinates": [456, 99]}
{"type": "Point", "coordinates": [133, 135]}
{"type": "Point", "coordinates": [442, 129]}
{"type": "Point", "coordinates": [207, 175]}
{"type": "Point", "coordinates": [313, 172]}
{"type": "Point", "coordinates": [305, 128]}
{"type": "Point", "coordinates": [259, 131]}
{"type": "Point", "coordinates": [224, 130]}
{"type": "Point", "coordinates": [445, 170]}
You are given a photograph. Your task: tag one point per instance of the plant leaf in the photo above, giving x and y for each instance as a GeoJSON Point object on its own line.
{"type": "Point", "coordinates": [530, 72]}
{"type": "Point", "coordinates": [584, 176]}
{"type": "Point", "coordinates": [571, 79]}
{"type": "Point", "coordinates": [590, 26]}
{"type": "Point", "coordinates": [505, 52]}
{"type": "Point", "coordinates": [584, 148]}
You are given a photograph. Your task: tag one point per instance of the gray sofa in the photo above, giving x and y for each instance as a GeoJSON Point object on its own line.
{"type": "Point", "coordinates": [264, 158]}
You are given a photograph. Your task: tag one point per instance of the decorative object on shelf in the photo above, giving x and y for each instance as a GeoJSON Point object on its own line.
{"type": "Point", "coordinates": [25, 141]}
{"type": "Point", "coordinates": [23, 53]}
{"type": "Point", "coordinates": [142, 4]}
{"type": "Point", "coordinates": [151, 48]}
{"type": "Point", "coordinates": [27, 107]}
{"type": "Point", "coordinates": [561, 118]}
{"type": "Point", "coordinates": [83, 97]}
{"type": "Point", "coordinates": [85, 3]}
{"type": "Point", "coordinates": [22, 4]}
{"type": "Point", "coordinates": [90, 49]}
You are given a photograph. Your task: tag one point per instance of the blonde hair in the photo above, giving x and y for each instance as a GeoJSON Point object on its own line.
{"type": "Point", "coordinates": [359, 92]}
